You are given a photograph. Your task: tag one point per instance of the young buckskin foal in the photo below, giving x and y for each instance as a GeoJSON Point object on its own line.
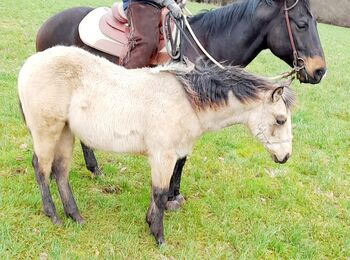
{"type": "Point", "coordinates": [66, 92]}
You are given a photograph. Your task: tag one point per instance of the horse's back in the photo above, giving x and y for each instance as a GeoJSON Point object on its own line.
{"type": "Point", "coordinates": [62, 29]}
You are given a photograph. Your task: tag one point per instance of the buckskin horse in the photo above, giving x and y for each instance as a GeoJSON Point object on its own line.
{"type": "Point", "coordinates": [234, 35]}
{"type": "Point", "coordinates": [61, 89]}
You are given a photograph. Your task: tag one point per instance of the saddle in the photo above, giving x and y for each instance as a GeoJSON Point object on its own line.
{"type": "Point", "coordinates": [107, 30]}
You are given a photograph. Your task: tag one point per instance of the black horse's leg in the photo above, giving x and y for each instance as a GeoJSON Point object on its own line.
{"type": "Point", "coordinates": [155, 213]}
{"type": "Point", "coordinates": [90, 160]}
{"type": "Point", "coordinates": [175, 199]}
{"type": "Point", "coordinates": [60, 173]}
{"type": "Point", "coordinates": [43, 183]}
{"type": "Point", "coordinates": [162, 166]}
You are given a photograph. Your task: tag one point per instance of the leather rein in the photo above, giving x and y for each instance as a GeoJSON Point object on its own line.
{"type": "Point", "coordinates": [298, 62]}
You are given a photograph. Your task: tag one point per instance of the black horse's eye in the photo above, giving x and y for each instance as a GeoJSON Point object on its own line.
{"type": "Point", "coordinates": [281, 121]}
{"type": "Point", "coordinates": [302, 26]}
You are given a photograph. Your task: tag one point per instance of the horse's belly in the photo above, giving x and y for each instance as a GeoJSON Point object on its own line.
{"type": "Point", "coordinates": [105, 130]}
{"type": "Point", "coordinates": [112, 141]}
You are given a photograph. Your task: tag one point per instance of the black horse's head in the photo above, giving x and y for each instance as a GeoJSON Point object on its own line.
{"type": "Point", "coordinates": [304, 35]}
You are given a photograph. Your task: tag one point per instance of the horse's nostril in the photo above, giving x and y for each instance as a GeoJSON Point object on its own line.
{"type": "Point", "coordinates": [319, 73]}
{"type": "Point", "coordinates": [286, 158]}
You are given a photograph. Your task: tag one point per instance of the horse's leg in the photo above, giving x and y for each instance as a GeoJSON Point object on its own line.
{"type": "Point", "coordinates": [42, 179]}
{"type": "Point", "coordinates": [90, 160]}
{"type": "Point", "coordinates": [175, 199]}
{"type": "Point", "coordinates": [60, 171]}
{"type": "Point", "coordinates": [44, 142]}
{"type": "Point", "coordinates": [162, 167]}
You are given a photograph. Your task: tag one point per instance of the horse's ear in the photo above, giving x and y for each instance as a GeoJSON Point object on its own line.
{"type": "Point", "coordinates": [277, 94]}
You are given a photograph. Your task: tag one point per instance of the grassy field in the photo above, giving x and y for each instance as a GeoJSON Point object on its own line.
{"type": "Point", "coordinates": [239, 203]}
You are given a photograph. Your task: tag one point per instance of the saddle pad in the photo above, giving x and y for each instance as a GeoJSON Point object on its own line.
{"type": "Point", "coordinates": [90, 34]}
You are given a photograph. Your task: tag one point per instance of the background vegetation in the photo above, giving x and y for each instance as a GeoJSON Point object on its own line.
{"type": "Point", "coordinates": [239, 203]}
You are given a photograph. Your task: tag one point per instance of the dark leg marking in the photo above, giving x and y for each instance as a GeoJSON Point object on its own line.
{"type": "Point", "coordinates": [90, 160]}
{"type": "Point", "coordinates": [48, 205]}
{"type": "Point", "coordinates": [155, 213]}
{"type": "Point", "coordinates": [64, 189]}
{"type": "Point", "coordinates": [175, 199]}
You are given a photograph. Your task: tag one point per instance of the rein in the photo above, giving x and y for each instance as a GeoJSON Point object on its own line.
{"type": "Point", "coordinates": [175, 52]}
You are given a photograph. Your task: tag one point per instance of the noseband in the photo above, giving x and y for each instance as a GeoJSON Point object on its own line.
{"type": "Point", "coordinates": [298, 62]}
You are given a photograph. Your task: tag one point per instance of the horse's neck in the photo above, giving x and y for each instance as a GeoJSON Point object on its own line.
{"type": "Point", "coordinates": [234, 112]}
{"type": "Point", "coordinates": [238, 44]}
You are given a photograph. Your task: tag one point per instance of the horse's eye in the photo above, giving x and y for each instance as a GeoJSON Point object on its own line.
{"type": "Point", "coordinates": [302, 26]}
{"type": "Point", "coordinates": [281, 121]}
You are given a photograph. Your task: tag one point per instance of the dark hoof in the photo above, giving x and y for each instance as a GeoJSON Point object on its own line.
{"type": "Point", "coordinates": [180, 199]}
{"type": "Point", "coordinates": [77, 218]}
{"type": "Point", "coordinates": [160, 241]}
{"type": "Point", "coordinates": [96, 172]}
{"type": "Point", "coordinates": [56, 221]}
{"type": "Point", "coordinates": [172, 205]}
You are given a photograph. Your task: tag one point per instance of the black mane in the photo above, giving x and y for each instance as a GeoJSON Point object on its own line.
{"type": "Point", "coordinates": [223, 17]}
{"type": "Point", "coordinates": [209, 85]}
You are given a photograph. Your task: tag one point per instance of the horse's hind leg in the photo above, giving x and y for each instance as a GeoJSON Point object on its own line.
{"type": "Point", "coordinates": [43, 183]}
{"type": "Point", "coordinates": [162, 166]}
{"type": "Point", "coordinates": [90, 160]}
{"type": "Point", "coordinates": [60, 171]}
{"type": "Point", "coordinates": [175, 199]}
{"type": "Point", "coordinates": [44, 142]}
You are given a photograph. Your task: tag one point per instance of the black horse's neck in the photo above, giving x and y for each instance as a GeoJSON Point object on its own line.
{"type": "Point", "coordinates": [234, 34]}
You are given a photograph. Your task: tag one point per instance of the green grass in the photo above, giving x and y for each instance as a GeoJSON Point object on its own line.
{"type": "Point", "coordinates": [239, 203]}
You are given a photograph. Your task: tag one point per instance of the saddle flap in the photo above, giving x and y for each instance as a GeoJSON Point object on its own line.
{"type": "Point", "coordinates": [114, 29]}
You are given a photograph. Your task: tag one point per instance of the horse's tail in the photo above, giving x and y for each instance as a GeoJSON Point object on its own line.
{"type": "Point", "coordinates": [21, 110]}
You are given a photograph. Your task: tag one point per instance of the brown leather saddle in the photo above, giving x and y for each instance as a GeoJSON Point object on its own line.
{"type": "Point", "coordinates": [107, 30]}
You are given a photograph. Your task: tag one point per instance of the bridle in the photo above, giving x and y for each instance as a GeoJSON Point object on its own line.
{"type": "Point", "coordinates": [298, 62]}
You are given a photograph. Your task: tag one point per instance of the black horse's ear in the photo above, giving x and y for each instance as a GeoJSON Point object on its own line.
{"type": "Point", "coordinates": [277, 94]}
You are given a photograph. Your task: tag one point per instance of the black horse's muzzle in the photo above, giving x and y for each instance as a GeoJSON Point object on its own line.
{"type": "Point", "coordinates": [315, 78]}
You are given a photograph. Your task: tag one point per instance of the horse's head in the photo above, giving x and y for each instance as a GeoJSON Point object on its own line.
{"type": "Point", "coordinates": [270, 122]}
{"type": "Point", "coordinates": [308, 54]}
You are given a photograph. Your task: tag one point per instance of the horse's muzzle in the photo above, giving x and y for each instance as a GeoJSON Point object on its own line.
{"type": "Point", "coordinates": [285, 159]}
{"type": "Point", "coordinates": [317, 76]}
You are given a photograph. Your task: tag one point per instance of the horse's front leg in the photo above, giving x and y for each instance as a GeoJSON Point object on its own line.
{"type": "Point", "coordinates": [175, 199]}
{"type": "Point", "coordinates": [162, 165]}
{"type": "Point", "coordinates": [90, 160]}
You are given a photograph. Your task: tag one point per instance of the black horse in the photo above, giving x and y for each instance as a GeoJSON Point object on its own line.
{"type": "Point", "coordinates": [234, 35]}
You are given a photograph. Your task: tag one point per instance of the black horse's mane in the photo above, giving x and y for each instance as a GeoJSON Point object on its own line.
{"type": "Point", "coordinates": [208, 85]}
{"type": "Point", "coordinates": [224, 17]}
